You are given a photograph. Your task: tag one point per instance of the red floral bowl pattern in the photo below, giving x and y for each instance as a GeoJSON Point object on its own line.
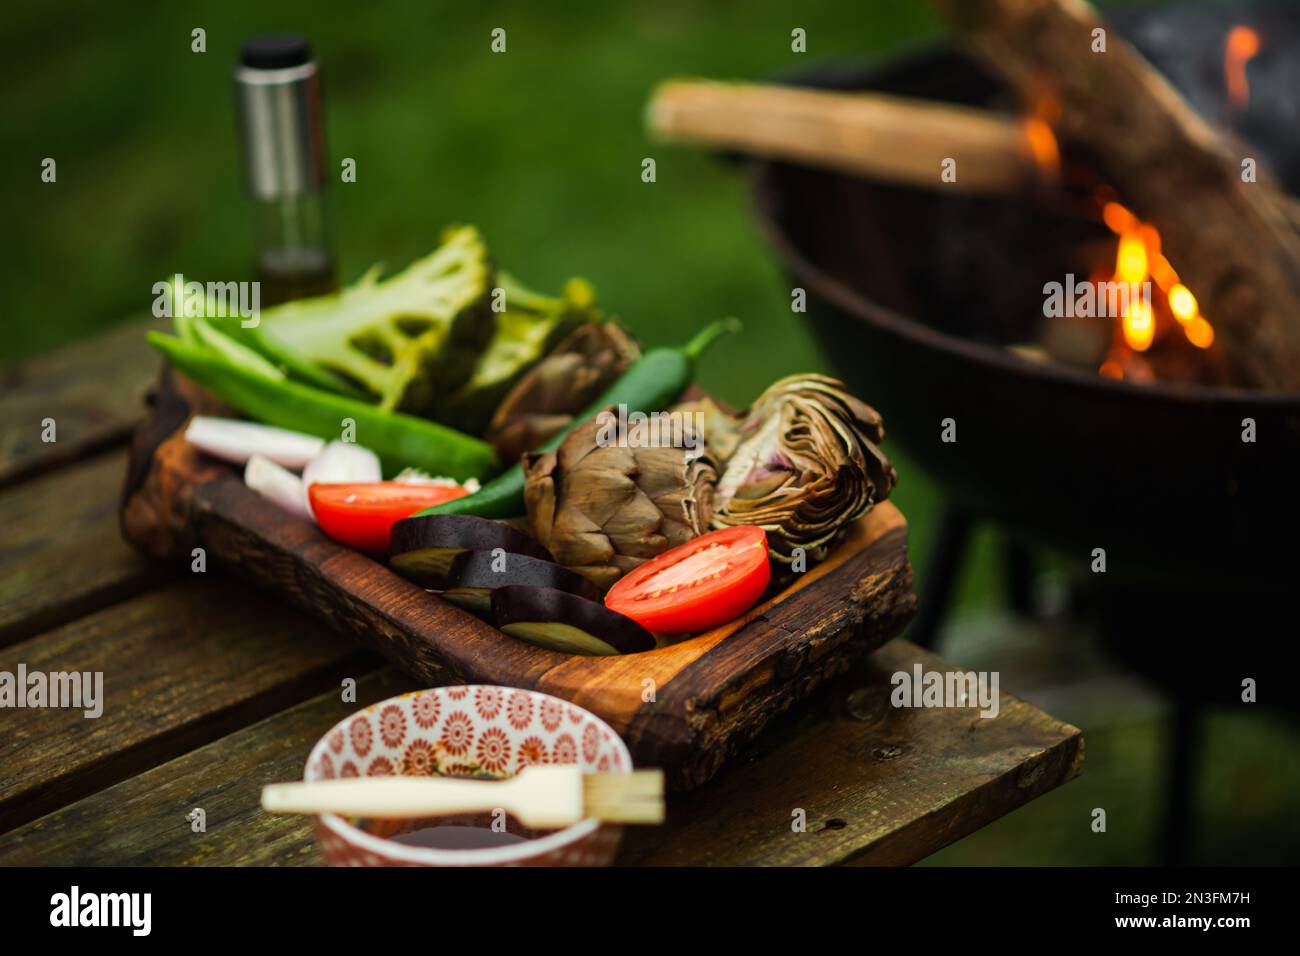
{"type": "Point", "coordinates": [466, 730]}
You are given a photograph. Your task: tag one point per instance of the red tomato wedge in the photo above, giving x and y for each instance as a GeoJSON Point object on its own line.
{"type": "Point", "coordinates": [362, 514]}
{"type": "Point", "coordinates": [698, 585]}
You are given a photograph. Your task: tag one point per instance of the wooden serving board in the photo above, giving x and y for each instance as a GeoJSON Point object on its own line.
{"type": "Point", "coordinates": [686, 707]}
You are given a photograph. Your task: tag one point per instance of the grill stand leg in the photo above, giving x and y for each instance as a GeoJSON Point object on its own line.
{"type": "Point", "coordinates": [941, 575]}
{"type": "Point", "coordinates": [1018, 567]}
{"type": "Point", "coordinates": [1180, 784]}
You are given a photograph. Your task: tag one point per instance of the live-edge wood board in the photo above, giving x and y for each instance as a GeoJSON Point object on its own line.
{"type": "Point", "coordinates": [686, 707]}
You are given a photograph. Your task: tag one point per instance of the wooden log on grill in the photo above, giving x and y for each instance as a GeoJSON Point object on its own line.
{"type": "Point", "coordinates": [890, 138]}
{"type": "Point", "coordinates": [1233, 242]}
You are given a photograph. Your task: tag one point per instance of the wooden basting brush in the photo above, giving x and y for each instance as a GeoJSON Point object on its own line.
{"type": "Point", "coordinates": [539, 797]}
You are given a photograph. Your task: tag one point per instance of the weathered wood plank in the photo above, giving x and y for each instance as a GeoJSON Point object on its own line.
{"type": "Point", "coordinates": [142, 821]}
{"type": "Point", "coordinates": [181, 666]}
{"type": "Point", "coordinates": [879, 785]}
{"type": "Point", "coordinates": [64, 556]}
{"type": "Point", "coordinates": [92, 390]}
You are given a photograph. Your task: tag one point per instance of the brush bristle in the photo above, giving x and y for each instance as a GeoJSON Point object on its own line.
{"type": "Point", "coordinates": [636, 797]}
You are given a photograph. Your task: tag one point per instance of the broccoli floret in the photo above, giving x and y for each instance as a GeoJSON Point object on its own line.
{"type": "Point", "coordinates": [408, 339]}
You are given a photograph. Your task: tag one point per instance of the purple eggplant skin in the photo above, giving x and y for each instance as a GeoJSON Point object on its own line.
{"type": "Point", "coordinates": [487, 570]}
{"type": "Point", "coordinates": [566, 622]}
{"type": "Point", "coordinates": [422, 548]}
{"type": "Point", "coordinates": [474, 575]}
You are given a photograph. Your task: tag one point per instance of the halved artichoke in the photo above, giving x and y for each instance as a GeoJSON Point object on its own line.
{"type": "Point", "coordinates": [805, 467]}
{"type": "Point", "coordinates": [720, 427]}
{"type": "Point", "coordinates": [604, 509]}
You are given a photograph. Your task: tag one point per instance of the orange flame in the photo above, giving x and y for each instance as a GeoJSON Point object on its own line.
{"type": "Point", "coordinates": [1182, 303]}
{"type": "Point", "coordinates": [1199, 332]}
{"type": "Point", "coordinates": [1137, 259]}
{"type": "Point", "coordinates": [1241, 46]}
{"type": "Point", "coordinates": [1042, 145]}
{"type": "Point", "coordinates": [1118, 219]}
{"type": "Point", "coordinates": [1037, 127]}
{"type": "Point", "coordinates": [1131, 258]}
{"type": "Point", "coordinates": [1139, 326]}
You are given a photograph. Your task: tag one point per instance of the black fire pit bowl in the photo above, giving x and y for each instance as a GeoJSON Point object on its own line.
{"type": "Point", "coordinates": [914, 294]}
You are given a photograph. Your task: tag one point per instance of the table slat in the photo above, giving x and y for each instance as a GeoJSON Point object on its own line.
{"type": "Point", "coordinates": [142, 821]}
{"type": "Point", "coordinates": [93, 390]}
{"type": "Point", "coordinates": [63, 554]}
{"type": "Point", "coordinates": [878, 784]}
{"type": "Point", "coordinates": [952, 773]}
{"type": "Point", "coordinates": [182, 666]}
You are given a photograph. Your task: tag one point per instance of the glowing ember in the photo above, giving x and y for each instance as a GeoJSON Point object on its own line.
{"type": "Point", "coordinates": [1241, 46]}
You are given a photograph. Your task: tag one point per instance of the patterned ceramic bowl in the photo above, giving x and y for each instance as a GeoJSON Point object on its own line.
{"type": "Point", "coordinates": [465, 730]}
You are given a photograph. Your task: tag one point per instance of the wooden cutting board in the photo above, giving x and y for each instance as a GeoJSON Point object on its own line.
{"type": "Point", "coordinates": [685, 707]}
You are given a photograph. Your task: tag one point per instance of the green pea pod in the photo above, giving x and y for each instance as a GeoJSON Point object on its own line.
{"type": "Point", "coordinates": [400, 441]}
{"type": "Point", "coordinates": [650, 385]}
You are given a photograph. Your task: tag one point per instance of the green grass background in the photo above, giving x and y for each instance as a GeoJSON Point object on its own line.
{"type": "Point", "coordinates": [542, 148]}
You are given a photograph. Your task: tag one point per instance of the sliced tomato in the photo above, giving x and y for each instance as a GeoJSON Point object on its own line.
{"type": "Point", "coordinates": [362, 514]}
{"type": "Point", "coordinates": [698, 585]}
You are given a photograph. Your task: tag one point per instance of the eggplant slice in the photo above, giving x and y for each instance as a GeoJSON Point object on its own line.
{"type": "Point", "coordinates": [474, 575]}
{"type": "Point", "coordinates": [423, 548]}
{"type": "Point", "coordinates": [566, 623]}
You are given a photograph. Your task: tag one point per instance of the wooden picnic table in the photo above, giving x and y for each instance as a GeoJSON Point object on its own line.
{"type": "Point", "coordinates": [212, 690]}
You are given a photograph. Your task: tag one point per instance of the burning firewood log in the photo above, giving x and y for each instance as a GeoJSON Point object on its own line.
{"type": "Point", "coordinates": [1235, 241]}
{"type": "Point", "coordinates": [892, 138]}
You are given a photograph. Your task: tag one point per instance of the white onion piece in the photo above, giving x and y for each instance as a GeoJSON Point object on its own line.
{"type": "Point", "coordinates": [277, 484]}
{"type": "Point", "coordinates": [238, 441]}
{"type": "Point", "coordinates": [342, 461]}
{"type": "Point", "coordinates": [413, 476]}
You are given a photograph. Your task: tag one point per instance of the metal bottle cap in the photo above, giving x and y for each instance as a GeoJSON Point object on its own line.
{"type": "Point", "coordinates": [277, 91]}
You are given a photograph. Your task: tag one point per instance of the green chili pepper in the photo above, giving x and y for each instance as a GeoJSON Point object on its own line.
{"type": "Point", "coordinates": [399, 440]}
{"type": "Point", "coordinates": [650, 385]}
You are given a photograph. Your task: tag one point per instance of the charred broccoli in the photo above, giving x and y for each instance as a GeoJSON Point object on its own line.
{"type": "Point", "coordinates": [407, 340]}
{"type": "Point", "coordinates": [526, 329]}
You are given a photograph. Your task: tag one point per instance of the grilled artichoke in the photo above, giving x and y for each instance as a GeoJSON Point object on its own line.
{"type": "Point", "coordinates": [570, 378]}
{"type": "Point", "coordinates": [719, 427]}
{"type": "Point", "coordinates": [604, 509]}
{"type": "Point", "coordinates": [805, 467]}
